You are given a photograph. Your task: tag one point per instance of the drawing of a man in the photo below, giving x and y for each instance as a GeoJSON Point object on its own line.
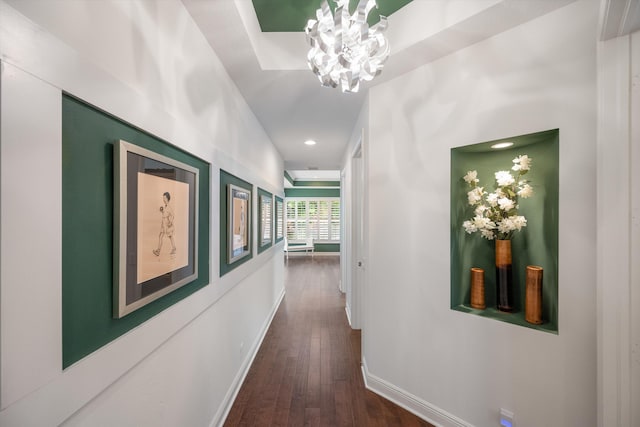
{"type": "Point", "coordinates": [166, 227]}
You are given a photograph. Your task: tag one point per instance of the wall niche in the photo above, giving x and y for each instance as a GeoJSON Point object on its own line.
{"type": "Point", "coordinates": [536, 244]}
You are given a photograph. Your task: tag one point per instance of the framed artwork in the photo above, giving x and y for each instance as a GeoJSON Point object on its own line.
{"type": "Point", "coordinates": [279, 219]}
{"type": "Point", "coordinates": [239, 223]}
{"type": "Point", "coordinates": [155, 226]}
{"type": "Point", "coordinates": [265, 219]}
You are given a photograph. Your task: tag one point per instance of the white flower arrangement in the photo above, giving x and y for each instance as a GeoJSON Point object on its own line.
{"type": "Point", "coordinates": [496, 214]}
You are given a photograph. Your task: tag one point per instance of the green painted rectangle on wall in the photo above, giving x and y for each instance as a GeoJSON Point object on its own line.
{"type": "Point", "coordinates": [535, 244]}
{"type": "Point", "coordinates": [327, 247]}
{"type": "Point", "coordinates": [312, 192]}
{"type": "Point", "coordinates": [321, 247]}
{"type": "Point", "coordinates": [88, 137]}
{"type": "Point", "coordinates": [226, 179]}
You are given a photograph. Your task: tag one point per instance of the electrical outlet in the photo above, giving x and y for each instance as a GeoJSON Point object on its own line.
{"type": "Point", "coordinates": [506, 418]}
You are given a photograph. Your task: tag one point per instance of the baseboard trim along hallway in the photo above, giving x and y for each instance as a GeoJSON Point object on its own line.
{"type": "Point", "coordinates": [308, 368]}
{"type": "Point", "coordinates": [347, 310]}
{"type": "Point", "coordinates": [225, 408]}
{"type": "Point", "coordinates": [408, 401]}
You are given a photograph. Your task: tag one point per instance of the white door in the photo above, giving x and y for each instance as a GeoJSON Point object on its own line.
{"type": "Point", "coordinates": [357, 259]}
{"type": "Point", "coordinates": [344, 253]}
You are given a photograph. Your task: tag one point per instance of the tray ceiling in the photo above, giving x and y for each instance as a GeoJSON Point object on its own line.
{"type": "Point", "coordinates": [271, 73]}
{"type": "Point", "coordinates": [292, 15]}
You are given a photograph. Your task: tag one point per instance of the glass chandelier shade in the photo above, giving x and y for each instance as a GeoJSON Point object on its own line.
{"type": "Point", "coordinates": [344, 49]}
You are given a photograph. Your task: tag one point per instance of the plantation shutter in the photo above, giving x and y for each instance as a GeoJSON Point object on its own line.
{"type": "Point", "coordinates": [323, 220]}
{"type": "Point", "coordinates": [315, 218]}
{"type": "Point", "coordinates": [291, 220]}
{"type": "Point", "coordinates": [335, 220]}
{"type": "Point", "coordinates": [301, 220]}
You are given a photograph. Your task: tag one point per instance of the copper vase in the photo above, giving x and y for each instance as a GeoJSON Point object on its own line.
{"type": "Point", "coordinates": [504, 276]}
{"type": "Point", "coordinates": [477, 288]}
{"type": "Point", "coordinates": [533, 295]}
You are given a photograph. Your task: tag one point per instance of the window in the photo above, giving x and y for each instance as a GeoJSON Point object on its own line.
{"type": "Point", "coordinates": [335, 221]}
{"type": "Point", "coordinates": [315, 218]}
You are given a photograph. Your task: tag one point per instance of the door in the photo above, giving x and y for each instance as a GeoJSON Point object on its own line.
{"type": "Point", "coordinates": [357, 238]}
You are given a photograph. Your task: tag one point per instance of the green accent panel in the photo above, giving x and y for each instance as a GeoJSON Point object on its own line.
{"type": "Point", "coordinates": [536, 244]}
{"type": "Point", "coordinates": [292, 15]}
{"type": "Point", "coordinates": [88, 136]}
{"type": "Point", "coordinates": [288, 177]}
{"type": "Point", "coordinates": [262, 192]}
{"type": "Point", "coordinates": [276, 239]}
{"type": "Point", "coordinates": [316, 184]}
{"type": "Point", "coordinates": [321, 247]}
{"type": "Point", "coordinates": [225, 179]}
{"type": "Point", "coordinates": [312, 192]}
{"type": "Point", "coordinates": [327, 247]}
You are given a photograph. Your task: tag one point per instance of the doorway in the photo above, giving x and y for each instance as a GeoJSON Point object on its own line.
{"type": "Point", "coordinates": [355, 236]}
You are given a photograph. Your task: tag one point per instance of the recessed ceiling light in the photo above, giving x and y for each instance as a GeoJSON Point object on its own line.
{"type": "Point", "coordinates": [502, 145]}
{"type": "Point", "coordinates": [310, 142]}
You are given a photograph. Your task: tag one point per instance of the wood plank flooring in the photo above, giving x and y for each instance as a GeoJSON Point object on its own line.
{"type": "Point", "coordinates": [307, 371]}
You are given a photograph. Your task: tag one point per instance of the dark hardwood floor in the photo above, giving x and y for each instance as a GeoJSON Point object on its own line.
{"type": "Point", "coordinates": [307, 371]}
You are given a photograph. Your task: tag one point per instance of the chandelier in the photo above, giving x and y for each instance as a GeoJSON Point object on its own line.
{"type": "Point", "coordinates": [344, 49]}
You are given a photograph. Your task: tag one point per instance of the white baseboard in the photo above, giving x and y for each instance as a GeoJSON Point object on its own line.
{"type": "Point", "coordinates": [229, 399]}
{"type": "Point", "coordinates": [347, 309]}
{"type": "Point", "coordinates": [411, 403]}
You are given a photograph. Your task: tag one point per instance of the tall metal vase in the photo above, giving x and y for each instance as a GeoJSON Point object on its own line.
{"type": "Point", "coordinates": [504, 276]}
{"type": "Point", "coordinates": [533, 295]}
{"type": "Point", "coordinates": [477, 288]}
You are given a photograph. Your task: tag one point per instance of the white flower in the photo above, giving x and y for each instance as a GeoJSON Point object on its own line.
{"type": "Point", "coordinates": [526, 191]}
{"type": "Point", "coordinates": [518, 221]}
{"type": "Point", "coordinates": [469, 227]}
{"type": "Point", "coordinates": [475, 196]}
{"type": "Point", "coordinates": [506, 226]}
{"type": "Point", "coordinates": [496, 213]}
{"type": "Point", "coordinates": [482, 223]}
{"type": "Point", "coordinates": [480, 210]}
{"type": "Point", "coordinates": [504, 178]}
{"type": "Point", "coordinates": [522, 163]}
{"type": "Point", "coordinates": [471, 176]}
{"type": "Point", "coordinates": [506, 204]}
{"type": "Point", "coordinates": [488, 234]}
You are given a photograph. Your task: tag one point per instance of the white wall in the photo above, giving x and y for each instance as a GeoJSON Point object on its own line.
{"type": "Point", "coordinates": [436, 361]}
{"type": "Point", "coordinates": [634, 259]}
{"type": "Point", "coordinates": [147, 63]}
{"type": "Point", "coordinates": [619, 231]}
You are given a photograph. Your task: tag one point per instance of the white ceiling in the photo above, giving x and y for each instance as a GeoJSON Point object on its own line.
{"type": "Point", "coordinates": [311, 175]}
{"type": "Point", "coordinates": [270, 69]}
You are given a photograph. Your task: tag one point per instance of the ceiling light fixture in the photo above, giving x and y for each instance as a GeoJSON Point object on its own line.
{"type": "Point", "coordinates": [344, 49]}
{"type": "Point", "coordinates": [310, 142]}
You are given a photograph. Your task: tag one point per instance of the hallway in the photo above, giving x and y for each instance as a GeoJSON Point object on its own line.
{"type": "Point", "coordinates": [307, 371]}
